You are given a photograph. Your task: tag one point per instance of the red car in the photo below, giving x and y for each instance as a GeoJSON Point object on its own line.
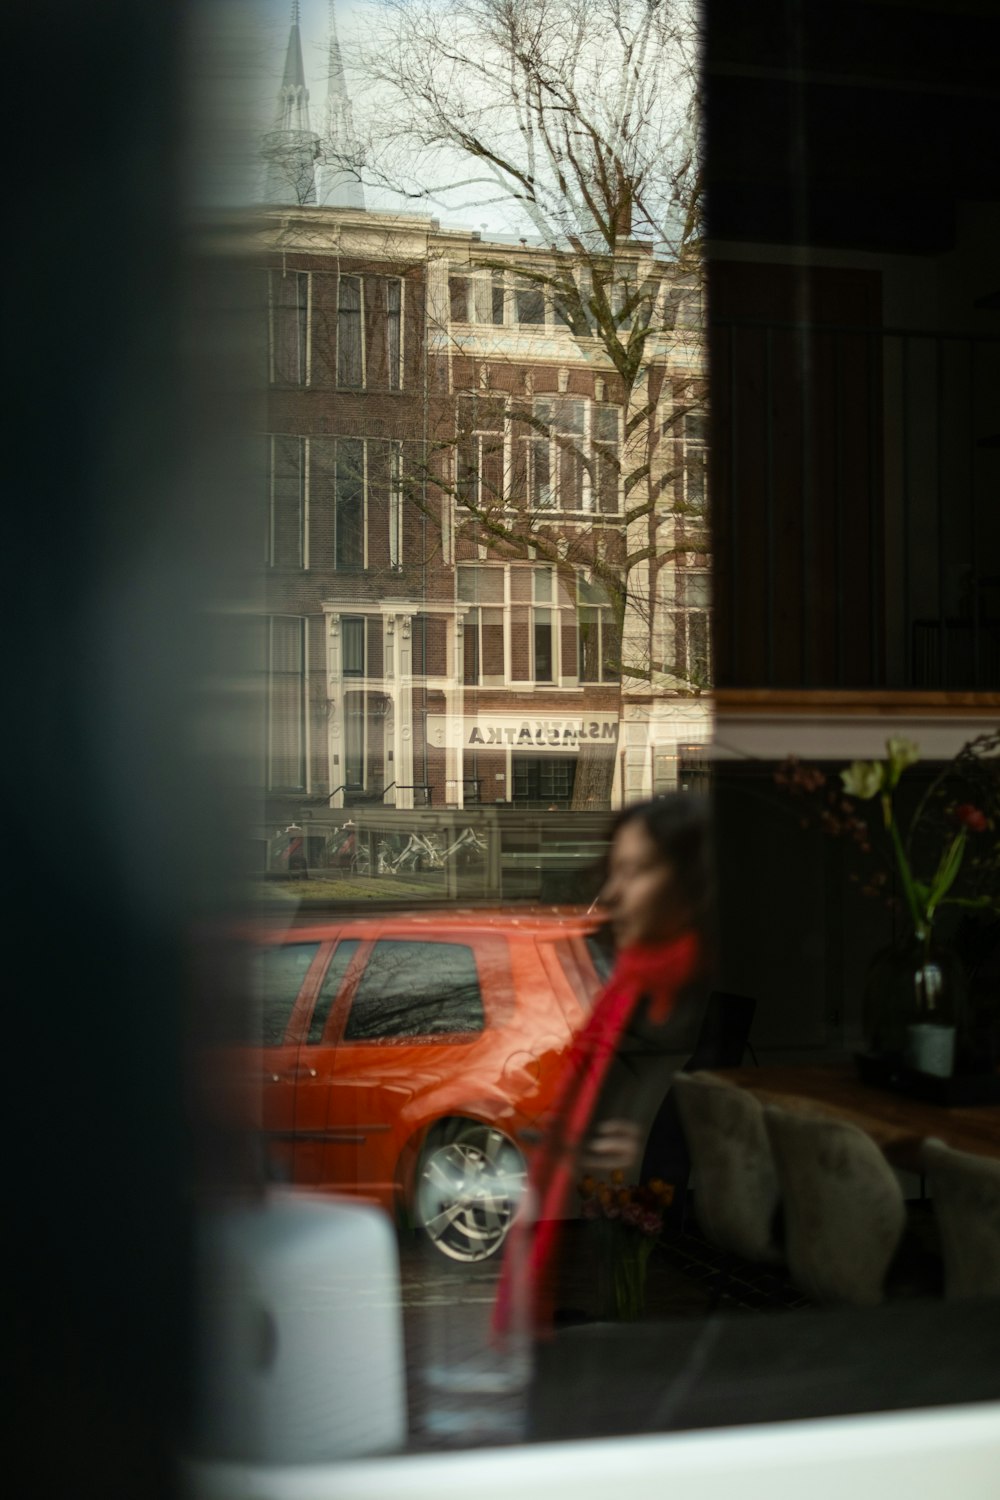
{"type": "Point", "coordinates": [402, 1056]}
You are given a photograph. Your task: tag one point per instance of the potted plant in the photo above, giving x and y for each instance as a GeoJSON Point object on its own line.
{"type": "Point", "coordinates": [944, 857]}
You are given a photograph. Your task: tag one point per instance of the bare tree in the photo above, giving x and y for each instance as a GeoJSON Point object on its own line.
{"type": "Point", "coordinates": [577, 118]}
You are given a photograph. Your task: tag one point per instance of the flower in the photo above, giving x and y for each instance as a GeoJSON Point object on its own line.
{"type": "Point", "coordinates": [902, 753]}
{"type": "Point", "coordinates": [973, 817]}
{"type": "Point", "coordinates": [632, 1208]}
{"type": "Point", "coordinates": [929, 856]}
{"type": "Point", "coordinates": [863, 778]}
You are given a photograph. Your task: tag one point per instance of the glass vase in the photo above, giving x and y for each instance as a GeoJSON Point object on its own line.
{"type": "Point", "coordinates": [622, 1267]}
{"type": "Point", "coordinates": [915, 1008]}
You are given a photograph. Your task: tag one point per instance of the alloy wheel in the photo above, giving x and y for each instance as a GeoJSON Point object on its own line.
{"type": "Point", "coordinates": [469, 1184]}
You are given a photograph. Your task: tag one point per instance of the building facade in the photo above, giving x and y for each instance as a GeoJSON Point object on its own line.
{"type": "Point", "coordinates": [486, 576]}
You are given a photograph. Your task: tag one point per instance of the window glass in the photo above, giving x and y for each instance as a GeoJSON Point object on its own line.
{"type": "Point", "coordinates": [353, 639]}
{"type": "Point", "coordinates": [529, 302]}
{"type": "Point", "coordinates": [543, 781]}
{"type": "Point", "coordinates": [289, 326]}
{"type": "Point", "coordinates": [349, 336]}
{"type": "Point", "coordinates": [413, 989]}
{"type": "Point", "coordinates": [354, 739]}
{"type": "Point", "coordinates": [332, 980]}
{"type": "Point", "coordinates": [480, 585]}
{"type": "Point", "coordinates": [349, 518]}
{"type": "Point", "coordinates": [394, 332]}
{"type": "Point", "coordinates": [543, 645]}
{"type": "Point", "coordinates": [287, 494]}
{"type": "Point", "coordinates": [602, 951]}
{"type": "Point", "coordinates": [286, 703]}
{"type": "Point", "coordinates": [276, 976]}
{"type": "Point", "coordinates": [458, 293]}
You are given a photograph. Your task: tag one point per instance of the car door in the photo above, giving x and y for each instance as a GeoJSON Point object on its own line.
{"type": "Point", "coordinates": [283, 979]}
{"type": "Point", "coordinates": [412, 1043]}
{"type": "Point", "coordinates": [317, 1161]}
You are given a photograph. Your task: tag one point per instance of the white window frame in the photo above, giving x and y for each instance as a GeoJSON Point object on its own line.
{"type": "Point", "coordinates": [364, 503]}
{"type": "Point", "coordinates": [400, 373]}
{"type": "Point", "coordinates": [605, 617]}
{"type": "Point", "coordinates": [689, 447]}
{"type": "Point", "coordinates": [395, 507]}
{"type": "Point", "coordinates": [620, 487]}
{"type": "Point", "coordinates": [682, 615]}
{"type": "Point", "coordinates": [305, 350]}
{"type": "Point", "coordinates": [359, 278]}
{"type": "Point", "coordinates": [551, 605]}
{"type": "Point", "coordinates": [303, 502]}
{"type": "Point", "coordinates": [306, 747]}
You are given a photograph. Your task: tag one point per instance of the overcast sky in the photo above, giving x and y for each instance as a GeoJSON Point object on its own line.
{"type": "Point", "coordinates": [269, 20]}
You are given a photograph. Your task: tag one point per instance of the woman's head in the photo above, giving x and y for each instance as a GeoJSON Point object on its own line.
{"type": "Point", "coordinates": [657, 881]}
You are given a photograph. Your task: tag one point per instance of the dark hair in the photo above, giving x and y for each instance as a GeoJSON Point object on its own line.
{"type": "Point", "coordinates": [678, 825]}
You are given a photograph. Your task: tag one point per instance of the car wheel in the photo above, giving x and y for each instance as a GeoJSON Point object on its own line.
{"type": "Point", "coordinates": [468, 1186]}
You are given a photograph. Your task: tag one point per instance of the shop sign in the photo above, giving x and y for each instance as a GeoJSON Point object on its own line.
{"type": "Point", "coordinates": [522, 732]}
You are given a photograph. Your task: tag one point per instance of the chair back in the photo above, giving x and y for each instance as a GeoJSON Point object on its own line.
{"type": "Point", "coordinates": [965, 1190]}
{"type": "Point", "coordinates": [735, 1182]}
{"type": "Point", "coordinates": [844, 1213]}
{"type": "Point", "coordinates": [725, 1031]}
{"type": "Point", "coordinates": [721, 1041]}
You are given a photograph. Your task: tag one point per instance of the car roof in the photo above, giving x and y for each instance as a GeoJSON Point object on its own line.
{"type": "Point", "coordinates": [532, 921]}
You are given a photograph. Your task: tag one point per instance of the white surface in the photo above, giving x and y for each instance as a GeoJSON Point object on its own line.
{"type": "Point", "coordinates": [950, 1454]}
{"type": "Point", "coordinates": [301, 1332]}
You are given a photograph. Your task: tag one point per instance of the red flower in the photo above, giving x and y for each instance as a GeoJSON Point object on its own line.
{"type": "Point", "coordinates": [973, 817]}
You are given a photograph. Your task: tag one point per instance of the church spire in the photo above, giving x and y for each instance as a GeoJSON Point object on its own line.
{"type": "Point", "coordinates": [292, 146]}
{"type": "Point", "coordinates": [340, 146]}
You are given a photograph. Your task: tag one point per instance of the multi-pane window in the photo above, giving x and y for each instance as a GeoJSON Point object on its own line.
{"type": "Point", "coordinates": [355, 724]}
{"type": "Point", "coordinates": [288, 321]}
{"type": "Point", "coordinates": [429, 646]}
{"type": "Point", "coordinates": [682, 305]}
{"type": "Point", "coordinates": [599, 637]}
{"type": "Point", "coordinates": [394, 332]}
{"type": "Point", "coordinates": [606, 441]}
{"type": "Point", "coordinates": [349, 504]}
{"type": "Point", "coordinates": [535, 464]}
{"type": "Point", "coordinates": [350, 338]}
{"type": "Point", "coordinates": [515, 630]}
{"type": "Point", "coordinates": [477, 298]}
{"type": "Point", "coordinates": [285, 538]}
{"type": "Point", "coordinates": [568, 421]}
{"type": "Point", "coordinates": [480, 456]}
{"type": "Point", "coordinates": [542, 633]}
{"type": "Point", "coordinates": [691, 626]}
{"type": "Point", "coordinates": [485, 657]}
{"type": "Point", "coordinates": [695, 461]}
{"type": "Point", "coordinates": [529, 303]}
{"type": "Point", "coordinates": [286, 703]}
{"type": "Point", "coordinates": [543, 780]}
{"type": "Point", "coordinates": [565, 451]}
{"type": "Point", "coordinates": [395, 506]}
{"type": "Point", "coordinates": [352, 638]}
{"type": "Point", "coordinates": [552, 453]}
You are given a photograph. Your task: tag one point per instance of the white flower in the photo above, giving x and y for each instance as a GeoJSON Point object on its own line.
{"type": "Point", "coordinates": [902, 753]}
{"type": "Point", "coordinates": [863, 778]}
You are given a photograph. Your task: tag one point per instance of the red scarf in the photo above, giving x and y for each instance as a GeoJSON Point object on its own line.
{"type": "Point", "coordinates": [658, 973]}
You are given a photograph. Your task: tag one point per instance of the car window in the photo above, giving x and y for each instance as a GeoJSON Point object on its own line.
{"type": "Point", "coordinates": [602, 952]}
{"type": "Point", "coordinates": [416, 989]}
{"type": "Point", "coordinates": [276, 976]}
{"type": "Point", "coordinates": [332, 981]}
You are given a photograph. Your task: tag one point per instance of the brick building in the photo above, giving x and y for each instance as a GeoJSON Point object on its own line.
{"type": "Point", "coordinates": [447, 499]}
{"type": "Point", "coordinates": [486, 547]}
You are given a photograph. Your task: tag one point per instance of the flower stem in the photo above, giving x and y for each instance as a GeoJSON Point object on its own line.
{"type": "Point", "coordinates": [920, 924]}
